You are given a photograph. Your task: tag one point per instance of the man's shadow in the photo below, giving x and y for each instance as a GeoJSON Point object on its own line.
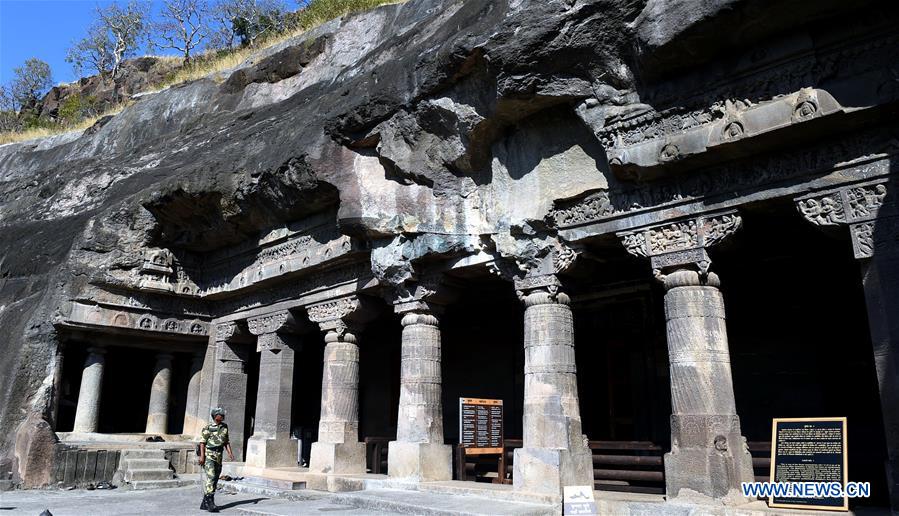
{"type": "Point", "coordinates": [240, 502]}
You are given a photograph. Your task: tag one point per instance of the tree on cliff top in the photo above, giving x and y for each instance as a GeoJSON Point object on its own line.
{"type": "Point", "coordinates": [115, 35]}
{"type": "Point", "coordinates": [31, 80]}
{"type": "Point", "coordinates": [246, 20]}
{"type": "Point", "coordinates": [182, 26]}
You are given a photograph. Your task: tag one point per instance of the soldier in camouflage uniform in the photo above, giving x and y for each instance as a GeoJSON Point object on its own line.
{"type": "Point", "coordinates": [213, 441]}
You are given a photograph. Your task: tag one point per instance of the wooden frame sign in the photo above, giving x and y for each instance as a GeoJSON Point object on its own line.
{"type": "Point", "coordinates": [481, 426]}
{"type": "Point", "coordinates": [809, 450]}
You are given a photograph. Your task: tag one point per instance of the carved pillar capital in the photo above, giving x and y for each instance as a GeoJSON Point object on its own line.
{"type": "Point", "coordinates": [872, 219]}
{"type": "Point", "coordinates": [227, 331]}
{"type": "Point", "coordinates": [340, 318]}
{"type": "Point", "coordinates": [541, 290]}
{"type": "Point", "coordinates": [271, 329]}
{"type": "Point", "coordinates": [681, 244]}
{"type": "Point", "coordinates": [539, 256]}
{"type": "Point", "coordinates": [281, 321]}
{"type": "Point", "coordinates": [425, 295]}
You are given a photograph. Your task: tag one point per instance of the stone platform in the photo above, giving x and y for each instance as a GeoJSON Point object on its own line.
{"type": "Point", "coordinates": [381, 493]}
{"type": "Point", "coordinates": [86, 458]}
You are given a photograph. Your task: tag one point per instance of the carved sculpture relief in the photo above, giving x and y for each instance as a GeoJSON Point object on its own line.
{"type": "Point", "coordinates": [681, 242]}
{"type": "Point", "coordinates": [156, 270]}
{"type": "Point", "coordinates": [731, 178]}
{"type": "Point", "coordinates": [332, 310]}
{"type": "Point", "coordinates": [269, 323]}
{"type": "Point", "coordinates": [81, 314]}
{"type": "Point", "coordinates": [863, 207]}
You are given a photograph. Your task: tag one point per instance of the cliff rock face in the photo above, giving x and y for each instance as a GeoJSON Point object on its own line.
{"type": "Point", "coordinates": [431, 127]}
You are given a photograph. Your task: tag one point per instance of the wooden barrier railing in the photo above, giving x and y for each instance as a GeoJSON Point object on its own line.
{"type": "Point", "coordinates": [629, 466]}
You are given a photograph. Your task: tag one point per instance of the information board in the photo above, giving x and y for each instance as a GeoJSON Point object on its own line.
{"type": "Point", "coordinates": [809, 450]}
{"type": "Point", "coordinates": [481, 425]}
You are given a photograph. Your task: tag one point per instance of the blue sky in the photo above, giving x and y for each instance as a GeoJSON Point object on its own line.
{"type": "Point", "coordinates": [46, 29]}
{"type": "Point", "coordinates": [42, 29]}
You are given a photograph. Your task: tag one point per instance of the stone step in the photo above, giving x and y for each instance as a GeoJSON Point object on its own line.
{"type": "Point", "coordinates": [130, 463]}
{"type": "Point", "coordinates": [142, 454]}
{"type": "Point", "coordinates": [133, 475]}
{"type": "Point", "coordinates": [160, 484]}
{"type": "Point", "coordinates": [287, 485]}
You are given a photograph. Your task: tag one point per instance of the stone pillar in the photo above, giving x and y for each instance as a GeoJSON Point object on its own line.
{"type": "Point", "coordinates": [228, 386]}
{"type": "Point", "coordinates": [160, 394]}
{"type": "Point", "coordinates": [87, 414]}
{"type": "Point", "coordinates": [338, 449]}
{"type": "Point", "coordinates": [872, 217]}
{"type": "Point", "coordinates": [419, 452]}
{"type": "Point", "coordinates": [271, 444]}
{"type": "Point", "coordinates": [709, 457]}
{"type": "Point", "coordinates": [554, 452]}
{"type": "Point", "coordinates": [207, 377]}
{"type": "Point", "coordinates": [193, 425]}
{"type": "Point", "coordinates": [58, 361]}
{"type": "Point", "coordinates": [708, 452]}
{"type": "Point", "coordinates": [880, 275]}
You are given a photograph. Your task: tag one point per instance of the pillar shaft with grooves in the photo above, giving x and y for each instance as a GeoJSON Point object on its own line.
{"type": "Point", "coordinates": [419, 452]}
{"type": "Point", "coordinates": [160, 395]}
{"type": "Point", "coordinates": [87, 413]}
{"type": "Point", "coordinates": [708, 452]}
{"type": "Point", "coordinates": [555, 452]}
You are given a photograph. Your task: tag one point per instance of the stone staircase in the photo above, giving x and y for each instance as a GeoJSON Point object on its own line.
{"type": "Point", "coordinates": [145, 469]}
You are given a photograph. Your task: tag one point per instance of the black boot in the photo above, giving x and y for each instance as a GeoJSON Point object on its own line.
{"type": "Point", "coordinates": [205, 502]}
{"type": "Point", "coordinates": [210, 504]}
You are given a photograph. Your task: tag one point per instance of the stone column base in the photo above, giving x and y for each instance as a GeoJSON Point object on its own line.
{"type": "Point", "coordinates": [546, 470]}
{"type": "Point", "coordinates": [265, 452]}
{"type": "Point", "coordinates": [341, 458]}
{"type": "Point", "coordinates": [708, 458]}
{"type": "Point", "coordinates": [423, 462]}
{"type": "Point", "coordinates": [698, 473]}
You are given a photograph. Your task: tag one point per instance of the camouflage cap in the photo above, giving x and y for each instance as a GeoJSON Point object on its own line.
{"type": "Point", "coordinates": [216, 411]}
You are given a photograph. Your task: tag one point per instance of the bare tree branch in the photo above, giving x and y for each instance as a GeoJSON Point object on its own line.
{"type": "Point", "coordinates": [183, 26]}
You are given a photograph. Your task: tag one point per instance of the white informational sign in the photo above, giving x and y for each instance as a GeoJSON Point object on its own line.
{"type": "Point", "coordinates": [578, 500]}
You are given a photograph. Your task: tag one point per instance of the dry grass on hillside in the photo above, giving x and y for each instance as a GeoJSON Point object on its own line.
{"type": "Point", "coordinates": [43, 132]}
{"type": "Point", "coordinates": [313, 15]}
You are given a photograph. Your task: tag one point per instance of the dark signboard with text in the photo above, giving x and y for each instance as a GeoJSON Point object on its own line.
{"type": "Point", "coordinates": [809, 450]}
{"type": "Point", "coordinates": [481, 425]}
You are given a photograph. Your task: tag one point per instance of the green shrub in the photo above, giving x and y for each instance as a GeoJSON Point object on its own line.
{"type": "Point", "coordinates": [76, 107]}
{"type": "Point", "coordinates": [321, 11]}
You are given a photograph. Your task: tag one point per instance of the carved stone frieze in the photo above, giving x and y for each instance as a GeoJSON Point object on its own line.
{"type": "Point", "coordinates": [288, 254]}
{"type": "Point", "coordinates": [872, 218]}
{"type": "Point", "coordinates": [356, 273]}
{"type": "Point", "coordinates": [742, 104]}
{"type": "Point", "coordinates": [94, 315]}
{"type": "Point", "coordinates": [681, 242]}
{"type": "Point", "coordinates": [858, 156]}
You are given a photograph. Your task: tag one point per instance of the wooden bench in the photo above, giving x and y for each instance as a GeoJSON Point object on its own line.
{"type": "Point", "coordinates": [376, 454]}
{"type": "Point", "coordinates": [627, 466]}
